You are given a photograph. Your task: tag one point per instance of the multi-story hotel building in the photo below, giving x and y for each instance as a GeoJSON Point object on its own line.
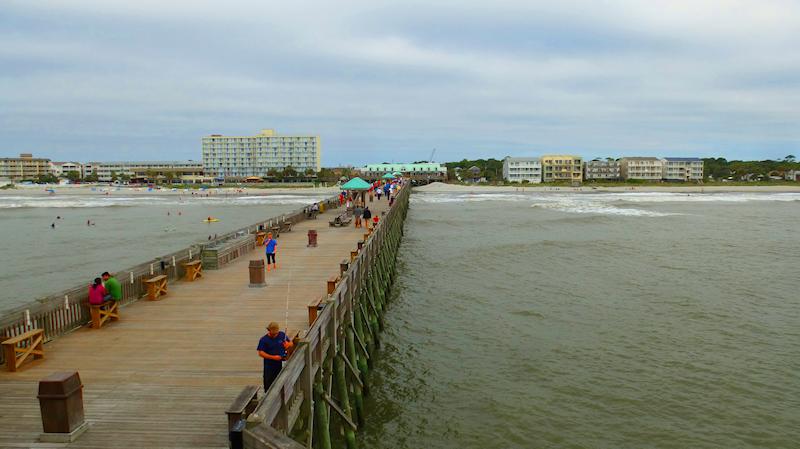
{"type": "Point", "coordinates": [188, 172]}
{"type": "Point", "coordinates": [601, 169]}
{"type": "Point", "coordinates": [644, 168]}
{"type": "Point", "coordinates": [24, 167]}
{"type": "Point", "coordinates": [424, 171]}
{"type": "Point", "coordinates": [519, 169]}
{"type": "Point", "coordinates": [562, 168]}
{"type": "Point", "coordinates": [683, 169]}
{"type": "Point", "coordinates": [242, 157]}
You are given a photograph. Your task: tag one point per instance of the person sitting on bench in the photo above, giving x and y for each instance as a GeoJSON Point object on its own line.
{"type": "Point", "coordinates": [112, 286]}
{"type": "Point", "coordinates": [97, 293]}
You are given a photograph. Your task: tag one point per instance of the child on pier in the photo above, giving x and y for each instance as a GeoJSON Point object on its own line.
{"type": "Point", "coordinates": [270, 245]}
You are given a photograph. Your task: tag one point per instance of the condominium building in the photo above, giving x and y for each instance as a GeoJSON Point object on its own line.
{"type": "Point", "coordinates": [244, 156]}
{"type": "Point", "coordinates": [601, 169]}
{"type": "Point", "coordinates": [644, 168]}
{"type": "Point", "coordinates": [562, 168]}
{"type": "Point", "coordinates": [521, 169]}
{"type": "Point", "coordinates": [61, 169]}
{"type": "Point", "coordinates": [188, 172]}
{"type": "Point", "coordinates": [23, 168]}
{"type": "Point", "coordinates": [683, 169]}
{"type": "Point", "coordinates": [426, 171]}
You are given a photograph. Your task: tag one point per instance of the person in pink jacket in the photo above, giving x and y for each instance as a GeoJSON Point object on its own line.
{"type": "Point", "coordinates": [97, 293]}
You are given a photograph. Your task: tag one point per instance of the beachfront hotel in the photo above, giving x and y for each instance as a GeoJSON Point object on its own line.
{"type": "Point", "coordinates": [187, 172]}
{"type": "Point", "coordinates": [557, 168]}
{"type": "Point", "coordinates": [642, 168]}
{"type": "Point", "coordinates": [683, 169]}
{"type": "Point", "coordinates": [522, 169]}
{"type": "Point", "coordinates": [424, 171]}
{"type": "Point", "coordinates": [239, 157]}
{"type": "Point", "coordinates": [23, 168]}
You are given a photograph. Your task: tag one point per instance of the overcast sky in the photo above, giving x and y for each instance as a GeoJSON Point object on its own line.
{"type": "Point", "coordinates": [381, 81]}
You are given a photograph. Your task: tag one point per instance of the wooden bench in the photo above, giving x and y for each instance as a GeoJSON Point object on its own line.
{"type": "Point", "coordinates": [286, 226]}
{"type": "Point", "coordinates": [194, 270]}
{"type": "Point", "coordinates": [156, 287]}
{"type": "Point", "coordinates": [242, 406]}
{"type": "Point", "coordinates": [341, 220]}
{"type": "Point", "coordinates": [101, 313]}
{"type": "Point", "coordinates": [276, 231]}
{"type": "Point", "coordinates": [313, 308]}
{"type": "Point", "coordinates": [312, 214]}
{"type": "Point", "coordinates": [332, 284]}
{"type": "Point", "coordinates": [18, 349]}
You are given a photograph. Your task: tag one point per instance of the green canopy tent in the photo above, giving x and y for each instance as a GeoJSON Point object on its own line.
{"type": "Point", "coordinates": [397, 174]}
{"type": "Point", "coordinates": [357, 185]}
{"type": "Point", "coordinates": [388, 176]}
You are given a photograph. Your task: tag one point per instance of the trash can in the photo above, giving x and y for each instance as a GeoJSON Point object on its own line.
{"type": "Point", "coordinates": [61, 404]}
{"type": "Point", "coordinates": [257, 273]}
{"type": "Point", "coordinates": [312, 238]}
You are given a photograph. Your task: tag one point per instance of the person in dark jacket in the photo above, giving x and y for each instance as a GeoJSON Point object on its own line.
{"type": "Point", "coordinates": [272, 348]}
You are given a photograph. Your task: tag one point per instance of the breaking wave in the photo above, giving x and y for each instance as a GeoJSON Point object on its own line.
{"type": "Point", "coordinates": [83, 201]}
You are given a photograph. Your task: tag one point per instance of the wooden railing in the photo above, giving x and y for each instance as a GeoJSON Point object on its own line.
{"type": "Point", "coordinates": [284, 417]}
{"type": "Point", "coordinates": [68, 310]}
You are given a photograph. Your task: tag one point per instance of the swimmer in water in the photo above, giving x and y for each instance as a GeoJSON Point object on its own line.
{"type": "Point", "coordinates": [53, 225]}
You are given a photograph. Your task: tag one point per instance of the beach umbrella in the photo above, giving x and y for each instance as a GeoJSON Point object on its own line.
{"type": "Point", "coordinates": [356, 184]}
{"type": "Point", "coordinates": [397, 174]}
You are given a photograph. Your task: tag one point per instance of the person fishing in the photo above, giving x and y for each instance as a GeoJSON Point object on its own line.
{"type": "Point", "coordinates": [272, 349]}
{"type": "Point", "coordinates": [270, 246]}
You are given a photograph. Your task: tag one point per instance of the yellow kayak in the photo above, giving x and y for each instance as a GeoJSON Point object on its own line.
{"type": "Point", "coordinates": [213, 220]}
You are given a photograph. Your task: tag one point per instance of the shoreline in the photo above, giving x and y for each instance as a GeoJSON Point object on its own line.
{"type": "Point", "coordinates": [438, 187]}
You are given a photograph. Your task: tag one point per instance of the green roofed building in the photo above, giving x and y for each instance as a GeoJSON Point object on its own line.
{"type": "Point", "coordinates": [423, 173]}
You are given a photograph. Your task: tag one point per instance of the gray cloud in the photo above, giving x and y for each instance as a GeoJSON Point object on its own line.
{"type": "Point", "coordinates": [381, 80]}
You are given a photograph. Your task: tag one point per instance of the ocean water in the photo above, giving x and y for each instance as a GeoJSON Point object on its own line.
{"type": "Point", "coordinates": [38, 260]}
{"type": "Point", "coordinates": [631, 320]}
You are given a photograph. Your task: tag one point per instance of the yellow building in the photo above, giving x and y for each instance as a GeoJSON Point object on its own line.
{"type": "Point", "coordinates": [23, 168]}
{"type": "Point", "coordinates": [562, 168]}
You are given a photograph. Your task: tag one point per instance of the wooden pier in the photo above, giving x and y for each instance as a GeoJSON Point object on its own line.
{"type": "Point", "coordinates": [164, 374]}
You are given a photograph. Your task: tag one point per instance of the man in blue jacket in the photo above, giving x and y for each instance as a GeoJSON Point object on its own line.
{"type": "Point", "coordinates": [272, 348]}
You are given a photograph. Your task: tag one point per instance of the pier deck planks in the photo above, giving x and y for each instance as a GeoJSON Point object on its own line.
{"type": "Point", "coordinates": [163, 376]}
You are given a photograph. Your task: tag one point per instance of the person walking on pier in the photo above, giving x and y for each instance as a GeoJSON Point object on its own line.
{"type": "Point", "coordinates": [367, 217]}
{"type": "Point", "coordinates": [272, 348]}
{"type": "Point", "coordinates": [112, 286]}
{"type": "Point", "coordinates": [357, 211]}
{"type": "Point", "coordinates": [270, 245]}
